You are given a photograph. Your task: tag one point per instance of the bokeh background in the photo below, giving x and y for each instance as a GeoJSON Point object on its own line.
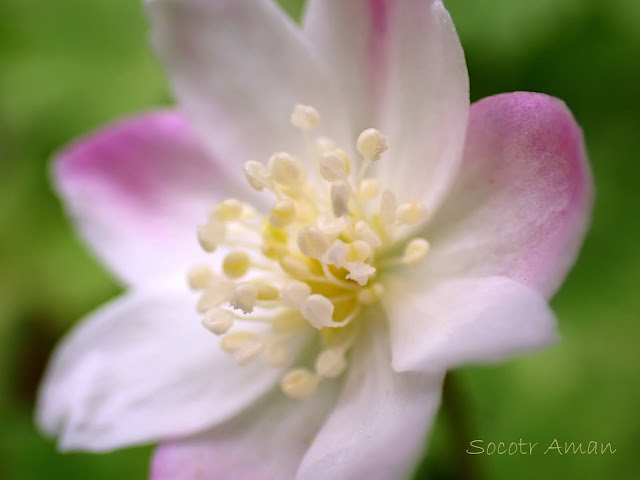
{"type": "Point", "coordinates": [69, 66]}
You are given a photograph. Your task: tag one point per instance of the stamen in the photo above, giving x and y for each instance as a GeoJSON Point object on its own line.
{"type": "Point", "coordinates": [331, 363]}
{"type": "Point", "coordinates": [287, 170]}
{"type": "Point", "coordinates": [200, 277]}
{"type": "Point", "coordinates": [318, 309]}
{"type": "Point", "coordinates": [217, 321]}
{"type": "Point", "coordinates": [365, 232]}
{"type": "Point", "coordinates": [257, 175]}
{"type": "Point", "coordinates": [311, 264]}
{"type": "Point", "coordinates": [340, 193]}
{"type": "Point", "coordinates": [334, 166]}
{"type": "Point", "coordinates": [282, 213]}
{"type": "Point", "coordinates": [248, 352]}
{"type": "Point", "coordinates": [229, 210]}
{"type": "Point", "coordinates": [410, 213]}
{"type": "Point", "coordinates": [275, 356]}
{"type": "Point", "coordinates": [236, 264]}
{"type": "Point", "coordinates": [372, 144]}
{"type": "Point", "coordinates": [415, 251]}
{"type": "Point", "coordinates": [234, 341]}
{"type": "Point", "coordinates": [312, 242]}
{"type": "Point", "coordinates": [388, 206]}
{"type": "Point", "coordinates": [295, 293]}
{"type": "Point", "coordinates": [369, 189]}
{"type": "Point", "coordinates": [324, 145]}
{"type": "Point", "coordinates": [299, 384]}
{"type": "Point", "coordinates": [210, 236]}
{"type": "Point", "coordinates": [244, 297]}
{"type": "Point", "coordinates": [304, 117]}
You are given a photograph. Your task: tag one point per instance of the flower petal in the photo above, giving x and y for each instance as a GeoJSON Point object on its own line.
{"type": "Point", "coordinates": [268, 441]}
{"type": "Point", "coordinates": [143, 369]}
{"type": "Point", "coordinates": [464, 320]}
{"type": "Point", "coordinates": [378, 427]}
{"type": "Point", "coordinates": [137, 190]}
{"type": "Point", "coordinates": [403, 71]}
{"type": "Point", "coordinates": [522, 201]}
{"type": "Point", "coordinates": [238, 67]}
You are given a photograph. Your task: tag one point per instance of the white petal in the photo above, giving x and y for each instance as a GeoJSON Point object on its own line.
{"type": "Point", "coordinates": [265, 442]}
{"type": "Point", "coordinates": [238, 68]}
{"type": "Point", "coordinates": [378, 427]}
{"type": "Point", "coordinates": [142, 369]}
{"type": "Point", "coordinates": [464, 320]}
{"type": "Point", "coordinates": [403, 71]}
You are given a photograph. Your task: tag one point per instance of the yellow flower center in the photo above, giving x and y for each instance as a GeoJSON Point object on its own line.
{"type": "Point", "coordinates": [312, 263]}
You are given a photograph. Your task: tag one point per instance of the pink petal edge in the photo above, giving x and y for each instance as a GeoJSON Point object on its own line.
{"type": "Point", "coordinates": [136, 191]}
{"type": "Point", "coordinates": [521, 204]}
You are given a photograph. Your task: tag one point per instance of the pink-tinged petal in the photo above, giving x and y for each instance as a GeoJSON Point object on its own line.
{"type": "Point", "coordinates": [238, 67]}
{"type": "Point", "coordinates": [142, 369]}
{"type": "Point", "coordinates": [379, 425]}
{"type": "Point", "coordinates": [464, 320]}
{"type": "Point", "coordinates": [521, 204]}
{"type": "Point", "coordinates": [137, 190]}
{"type": "Point", "coordinates": [265, 442]}
{"type": "Point", "coordinates": [403, 71]}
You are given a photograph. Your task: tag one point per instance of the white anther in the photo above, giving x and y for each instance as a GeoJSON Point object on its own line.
{"type": "Point", "coordinates": [282, 213]}
{"type": "Point", "coordinates": [219, 291]}
{"type": "Point", "coordinates": [294, 294]}
{"type": "Point", "coordinates": [304, 117]}
{"type": "Point", "coordinates": [331, 363]}
{"type": "Point", "coordinates": [388, 206]}
{"type": "Point", "coordinates": [369, 189]}
{"type": "Point", "coordinates": [294, 266]}
{"type": "Point", "coordinates": [275, 355]}
{"type": "Point", "coordinates": [324, 145]}
{"type": "Point", "coordinates": [248, 352]}
{"type": "Point", "coordinates": [211, 235]}
{"type": "Point", "coordinates": [360, 251]}
{"type": "Point", "coordinates": [234, 341]}
{"type": "Point", "coordinates": [340, 198]}
{"type": "Point", "coordinates": [287, 170]}
{"type": "Point", "coordinates": [371, 295]}
{"type": "Point", "coordinates": [371, 144]}
{"type": "Point", "coordinates": [244, 297]}
{"type": "Point", "coordinates": [200, 277]}
{"type": "Point", "coordinates": [415, 251]}
{"type": "Point", "coordinates": [337, 253]}
{"type": "Point", "coordinates": [360, 272]}
{"type": "Point", "coordinates": [331, 225]}
{"type": "Point", "coordinates": [364, 232]}
{"type": "Point", "coordinates": [318, 310]}
{"type": "Point", "coordinates": [288, 321]}
{"type": "Point", "coordinates": [333, 167]}
{"type": "Point", "coordinates": [312, 242]}
{"type": "Point", "coordinates": [266, 291]}
{"type": "Point", "coordinates": [298, 384]}
{"type": "Point", "coordinates": [236, 264]}
{"type": "Point", "coordinates": [410, 213]}
{"type": "Point", "coordinates": [257, 175]}
{"type": "Point", "coordinates": [229, 210]}
{"type": "Point", "coordinates": [217, 321]}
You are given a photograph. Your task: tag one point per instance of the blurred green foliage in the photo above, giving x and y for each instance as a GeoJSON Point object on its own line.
{"type": "Point", "coordinates": [69, 66]}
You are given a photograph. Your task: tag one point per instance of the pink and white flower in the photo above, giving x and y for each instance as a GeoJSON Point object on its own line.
{"type": "Point", "coordinates": [337, 308]}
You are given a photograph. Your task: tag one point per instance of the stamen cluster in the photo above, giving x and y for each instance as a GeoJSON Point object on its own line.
{"type": "Point", "coordinates": [312, 263]}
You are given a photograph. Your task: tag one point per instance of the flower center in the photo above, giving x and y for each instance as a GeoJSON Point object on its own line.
{"type": "Point", "coordinates": [312, 263]}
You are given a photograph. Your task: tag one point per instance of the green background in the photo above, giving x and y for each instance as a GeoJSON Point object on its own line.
{"type": "Point", "coordinates": [71, 65]}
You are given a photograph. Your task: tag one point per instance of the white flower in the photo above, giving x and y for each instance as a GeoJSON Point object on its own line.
{"type": "Point", "coordinates": [358, 248]}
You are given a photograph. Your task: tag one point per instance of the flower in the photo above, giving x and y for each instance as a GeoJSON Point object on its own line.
{"type": "Point", "coordinates": [370, 230]}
